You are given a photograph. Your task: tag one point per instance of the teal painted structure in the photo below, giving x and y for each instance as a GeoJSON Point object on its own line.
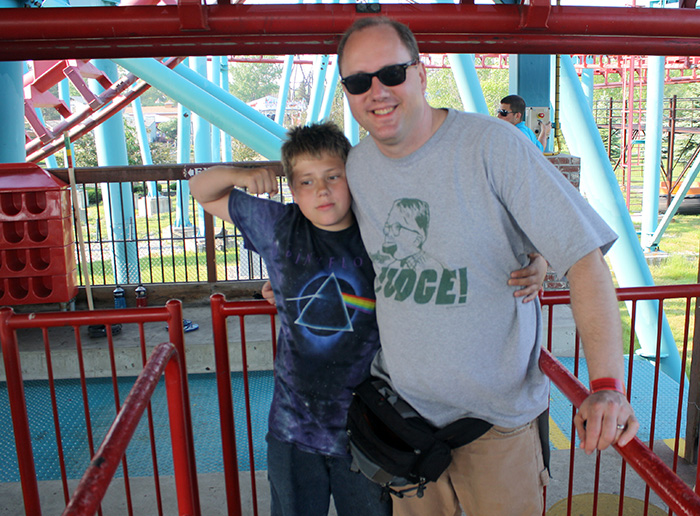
{"type": "Point", "coordinates": [599, 185]}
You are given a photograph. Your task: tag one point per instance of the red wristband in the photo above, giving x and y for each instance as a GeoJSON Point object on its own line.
{"type": "Point", "coordinates": [607, 384]}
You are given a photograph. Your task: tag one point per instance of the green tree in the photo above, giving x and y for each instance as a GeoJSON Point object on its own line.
{"type": "Point", "coordinates": [168, 129]}
{"type": "Point", "coordinates": [163, 153]}
{"type": "Point", "coordinates": [250, 81]}
{"type": "Point", "coordinates": [84, 151]}
{"type": "Point", "coordinates": [494, 84]}
{"type": "Point", "coordinates": [442, 89]}
{"type": "Point", "coordinates": [153, 97]}
{"type": "Point", "coordinates": [241, 152]}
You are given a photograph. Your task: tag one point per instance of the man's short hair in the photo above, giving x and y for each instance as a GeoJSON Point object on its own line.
{"type": "Point", "coordinates": [516, 103]}
{"type": "Point", "coordinates": [313, 140]}
{"type": "Point", "coordinates": [414, 214]}
{"type": "Point", "coordinates": [404, 33]}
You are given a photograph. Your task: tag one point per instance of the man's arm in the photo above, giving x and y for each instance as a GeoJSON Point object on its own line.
{"type": "Point", "coordinates": [545, 129]}
{"type": "Point", "coordinates": [597, 316]}
{"type": "Point", "coordinates": [211, 187]}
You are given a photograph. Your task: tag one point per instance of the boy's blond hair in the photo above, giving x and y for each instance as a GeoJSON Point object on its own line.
{"type": "Point", "coordinates": [313, 140]}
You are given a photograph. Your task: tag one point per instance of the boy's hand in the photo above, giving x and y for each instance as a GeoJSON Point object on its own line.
{"type": "Point", "coordinates": [530, 278]}
{"type": "Point", "coordinates": [268, 294]}
{"type": "Point", "coordinates": [257, 180]}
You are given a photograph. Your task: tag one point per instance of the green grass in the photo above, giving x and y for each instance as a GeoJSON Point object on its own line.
{"type": "Point", "coordinates": [681, 241]}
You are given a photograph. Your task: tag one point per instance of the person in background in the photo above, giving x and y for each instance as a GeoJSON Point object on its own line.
{"type": "Point", "coordinates": [512, 110]}
{"type": "Point", "coordinates": [453, 342]}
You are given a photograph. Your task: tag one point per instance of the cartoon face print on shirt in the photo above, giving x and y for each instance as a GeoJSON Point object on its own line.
{"type": "Point", "coordinates": [408, 271]}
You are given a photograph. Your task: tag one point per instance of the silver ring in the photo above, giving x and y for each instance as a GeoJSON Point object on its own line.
{"type": "Point", "coordinates": [620, 427]}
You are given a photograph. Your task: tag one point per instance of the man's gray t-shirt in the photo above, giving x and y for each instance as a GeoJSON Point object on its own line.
{"type": "Point", "coordinates": [445, 227]}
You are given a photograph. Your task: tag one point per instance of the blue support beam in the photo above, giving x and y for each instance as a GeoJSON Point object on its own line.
{"type": "Point", "coordinates": [468, 83]}
{"type": "Point", "coordinates": [11, 113]}
{"type": "Point", "coordinates": [652, 149]}
{"type": "Point", "coordinates": [184, 152]}
{"type": "Point", "coordinates": [529, 77]}
{"type": "Point", "coordinates": [118, 197]}
{"type": "Point", "coordinates": [329, 93]}
{"type": "Point", "coordinates": [201, 130]}
{"type": "Point", "coordinates": [599, 185]}
{"type": "Point", "coordinates": [206, 104]}
{"type": "Point", "coordinates": [144, 145]}
{"type": "Point", "coordinates": [319, 79]}
{"type": "Point", "coordinates": [284, 90]}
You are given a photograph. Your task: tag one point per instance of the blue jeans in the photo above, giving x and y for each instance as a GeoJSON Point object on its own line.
{"type": "Point", "coordinates": [301, 484]}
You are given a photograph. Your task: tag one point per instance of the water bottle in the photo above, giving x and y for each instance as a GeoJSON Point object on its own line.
{"type": "Point", "coordinates": [119, 299]}
{"type": "Point", "coordinates": [141, 296]}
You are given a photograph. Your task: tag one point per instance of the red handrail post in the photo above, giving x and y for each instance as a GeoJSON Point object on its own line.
{"type": "Point", "coordinates": [18, 411]}
{"type": "Point", "coordinates": [680, 498]}
{"type": "Point", "coordinates": [176, 334]}
{"type": "Point", "coordinates": [223, 383]}
{"type": "Point", "coordinates": [96, 480]}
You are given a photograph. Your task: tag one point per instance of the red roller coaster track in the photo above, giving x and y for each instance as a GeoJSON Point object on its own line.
{"type": "Point", "coordinates": [191, 28]}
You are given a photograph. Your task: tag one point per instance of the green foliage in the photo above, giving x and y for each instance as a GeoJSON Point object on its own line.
{"type": "Point", "coordinates": [494, 85]}
{"type": "Point", "coordinates": [250, 81]}
{"type": "Point", "coordinates": [163, 153]}
{"type": "Point", "coordinates": [133, 151]}
{"type": "Point", "coordinates": [84, 151]}
{"type": "Point", "coordinates": [442, 89]}
{"type": "Point", "coordinates": [168, 129]}
{"type": "Point", "coordinates": [241, 152]}
{"type": "Point", "coordinates": [153, 96]}
{"type": "Point", "coordinates": [94, 194]}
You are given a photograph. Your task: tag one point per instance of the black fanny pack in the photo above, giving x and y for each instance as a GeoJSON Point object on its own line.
{"type": "Point", "coordinates": [392, 445]}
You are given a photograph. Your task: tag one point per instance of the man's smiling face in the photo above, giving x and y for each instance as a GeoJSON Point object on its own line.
{"type": "Point", "coordinates": [391, 114]}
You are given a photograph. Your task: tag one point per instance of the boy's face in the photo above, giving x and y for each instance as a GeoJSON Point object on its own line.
{"type": "Point", "coordinates": [321, 191]}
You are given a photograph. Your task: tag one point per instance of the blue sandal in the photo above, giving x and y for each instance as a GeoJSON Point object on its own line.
{"type": "Point", "coordinates": [188, 326]}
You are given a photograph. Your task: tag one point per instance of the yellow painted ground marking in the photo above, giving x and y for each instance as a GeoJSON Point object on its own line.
{"type": "Point", "coordinates": [671, 443]}
{"type": "Point", "coordinates": [607, 504]}
{"type": "Point", "coordinates": [557, 437]}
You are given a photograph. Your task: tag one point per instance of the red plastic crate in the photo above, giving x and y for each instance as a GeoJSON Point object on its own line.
{"type": "Point", "coordinates": [22, 234]}
{"type": "Point", "coordinates": [38, 289]}
{"type": "Point", "coordinates": [28, 192]}
{"type": "Point", "coordinates": [38, 261]}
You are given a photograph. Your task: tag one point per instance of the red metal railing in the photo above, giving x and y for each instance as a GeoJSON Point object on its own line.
{"type": "Point", "coordinates": [656, 474]}
{"type": "Point", "coordinates": [171, 314]}
{"type": "Point", "coordinates": [680, 498]}
{"type": "Point", "coordinates": [220, 310]}
{"type": "Point", "coordinates": [92, 487]}
{"type": "Point", "coordinates": [663, 479]}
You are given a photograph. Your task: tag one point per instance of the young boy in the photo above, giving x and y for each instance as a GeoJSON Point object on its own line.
{"type": "Point", "coordinates": [323, 284]}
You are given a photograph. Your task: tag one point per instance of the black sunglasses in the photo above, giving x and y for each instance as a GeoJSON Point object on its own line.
{"type": "Point", "coordinates": [503, 112]}
{"type": "Point", "coordinates": [391, 75]}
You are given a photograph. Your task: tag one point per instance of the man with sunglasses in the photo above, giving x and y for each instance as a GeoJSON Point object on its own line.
{"type": "Point", "coordinates": [454, 344]}
{"type": "Point", "coordinates": [512, 110]}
